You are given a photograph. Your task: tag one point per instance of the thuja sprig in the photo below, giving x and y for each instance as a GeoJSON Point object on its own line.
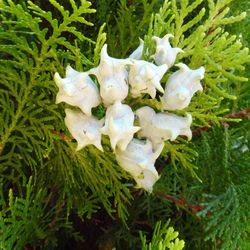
{"type": "Point", "coordinates": [205, 42]}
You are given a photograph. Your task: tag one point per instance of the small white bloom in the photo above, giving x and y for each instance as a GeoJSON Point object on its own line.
{"type": "Point", "coordinates": [137, 54]}
{"type": "Point", "coordinates": [158, 127]}
{"type": "Point", "coordinates": [112, 76]}
{"type": "Point", "coordinates": [144, 77]}
{"type": "Point", "coordinates": [119, 126]}
{"type": "Point", "coordinates": [165, 54]}
{"type": "Point", "coordinates": [138, 159]}
{"type": "Point", "coordinates": [85, 129]}
{"type": "Point", "coordinates": [77, 89]}
{"type": "Point", "coordinates": [181, 87]}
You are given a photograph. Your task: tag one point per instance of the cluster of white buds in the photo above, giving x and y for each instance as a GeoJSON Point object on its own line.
{"type": "Point", "coordinates": [136, 148]}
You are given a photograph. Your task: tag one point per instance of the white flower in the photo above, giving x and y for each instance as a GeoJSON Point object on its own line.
{"type": "Point", "coordinates": [116, 77]}
{"type": "Point", "coordinates": [118, 126]}
{"type": "Point", "coordinates": [77, 89]}
{"type": "Point", "coordinates": [144, 77]}
{"type": "Point", "coordinates": [138, 159]}
{"type": "Point", "coordinates": [85, 129]}
{"type": "Point", "coordinates": [112, 76]}
{"type": "Point", "coordinates": [181, 87]}
{"type": "Point", "coordinates": [159, 127]}
{"type": "Point", "coordinates": [137, 54]}
{"type": "Point", "coordinates": [165, 54]}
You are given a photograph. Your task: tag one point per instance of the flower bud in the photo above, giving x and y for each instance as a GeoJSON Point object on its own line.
{"type": "Point", "coordinates": [181, 87]}
{"type": "Point", "coordinates": [85, 129]}
{"type": "Point", "coordinates": [77, 89]}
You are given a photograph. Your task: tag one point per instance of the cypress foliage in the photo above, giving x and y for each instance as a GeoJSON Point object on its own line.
{"type": "Point", "coordinates": [50, 192]}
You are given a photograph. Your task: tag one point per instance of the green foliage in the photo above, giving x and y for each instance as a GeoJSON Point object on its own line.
{"type": "Point", "coordinates": [214, 210]}
{"type": "Point", "coordinates": [38, 38]}
{"type": "Point", "coordinates": [183, 154]}
{"type": "Point", "coordinates": [130, 23]}
{"type": "Point", "coordinates": [35, 44]}
{"type": "Point", "coordinates": [242, 29]}
{"type": "Point", "coordinates": [75, 169]}
{"type": "Point", "coordinates": [228, 222]}
{"type": "Point", "coordinates": [198, 29]}
{"type": "Point", "coordinates": [28, 54]}
{"type": "Point", "coordinates": [29, 220]}
{"type": "Point", "coordinates": [164, 237]}
{"type": "Point", "coordinates": [226, 206]}
{"type": "Point", "coordinates": [205, 42]}
{"type": "Point", "coordinates": [199, 32]}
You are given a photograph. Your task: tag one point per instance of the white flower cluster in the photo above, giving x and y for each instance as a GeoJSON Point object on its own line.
{"type": "Point", "coordinates": [117, 78]}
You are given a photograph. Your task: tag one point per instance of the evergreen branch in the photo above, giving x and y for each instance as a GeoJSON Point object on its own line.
{"type": "Point", "coordinates": [205, 43]}
{"type": "Point", "coordinates": [78, 168]}
{"type": "Point", "coordinates": [27, 219]}
{"type": "Point", "coordinates": [181, 202]}
{"type": "Point", "coordinates": [235, 117]}
{"type": "Point", "coordinates": [240, 114]}
{"type": "Point", "coordinates": [21, 50]}
{"type": "Point", "coordinates": [35, 43]}
{"type": "Point", "coordinates": [62, 136]}
{"type": "Point", "coordinates": [101, 39]}
{"type": "Point", "coordinates": [29, 118]}
{"type": "Point", "coordinates": [164, 237]}
{"type": "Point", "coordinates": [228, 203]}
{"type": "Point", "coordinates": [181, 153]}
{"type": "Point", "coordinates": [130, 23]}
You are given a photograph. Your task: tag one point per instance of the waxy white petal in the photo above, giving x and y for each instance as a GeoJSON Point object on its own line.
{"type": "Point", "coordinates": [165, 54]}
{"type": "Point", "coordinates": [77, 89]}
{"type": "Point", "coordinates": [85, 129]}
{"type": "Point", "coordinates": [159, 127]}
{"type": "Point", "coordinates": [138, 159]}
{"type": "Point", "coordinates": [181, 86]}
{"type": "Point", "coordinates": [144, 77]}
{"type": "Point", "coordinates": [112, 76]}
{"type": "Point", "coordinates": [137, 54]}
{"type": "Point", "coordinates": [119, 126]}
